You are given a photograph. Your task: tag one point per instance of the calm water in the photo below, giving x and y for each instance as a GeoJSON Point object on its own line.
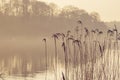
{"type": "Point", "coordinates": [111, 65]}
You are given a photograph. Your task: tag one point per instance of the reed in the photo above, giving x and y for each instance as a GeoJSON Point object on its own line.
{"type": "Point", "coordinates": [46, 55]}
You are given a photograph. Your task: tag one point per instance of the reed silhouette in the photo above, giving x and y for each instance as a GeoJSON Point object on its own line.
{"type": "Point", "coordinates": [45, 41]}
{"type": "Point", "coordinates": [88, 50]}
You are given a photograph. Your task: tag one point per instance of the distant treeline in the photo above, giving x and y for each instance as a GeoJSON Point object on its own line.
{"type": "Point", "coordinates": [37, 8]}
{"type": "Point", "coordinates": [32, 17]}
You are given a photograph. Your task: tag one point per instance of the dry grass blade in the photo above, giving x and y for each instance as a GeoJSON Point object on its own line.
{"type": "Point", "coordinates": [63, 77]}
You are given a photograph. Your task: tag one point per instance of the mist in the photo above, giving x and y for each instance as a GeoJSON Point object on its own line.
{"type": "Point", "coordinates": [24, 24]}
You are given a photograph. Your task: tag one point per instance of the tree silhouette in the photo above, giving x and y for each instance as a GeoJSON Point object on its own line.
{"type": "Point", "coordinates": [71, 12]}
{"type": "Point", "coordinates": [25, 7]}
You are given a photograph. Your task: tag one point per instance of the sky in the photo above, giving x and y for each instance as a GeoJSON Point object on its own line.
{"type": "Point", "coordinates": [109, 10]}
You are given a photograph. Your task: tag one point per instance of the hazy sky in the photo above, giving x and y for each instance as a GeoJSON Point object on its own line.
{"type": "Point", "coordinates": [109, 10]}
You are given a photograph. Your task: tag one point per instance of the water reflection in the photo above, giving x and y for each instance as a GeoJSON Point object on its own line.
{"type": "Point", "coordinates": [19, 67]}
{"type": "Point", "coordinates": [26, 68]}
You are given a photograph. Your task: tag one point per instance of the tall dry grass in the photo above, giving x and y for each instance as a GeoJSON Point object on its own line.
{"type": "Point", "coordinates": [88, 54]}
{"type": "Point", "coordinates": [92, 55]}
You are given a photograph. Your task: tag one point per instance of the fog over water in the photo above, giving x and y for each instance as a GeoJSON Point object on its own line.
{"type": "Point", "coordinates": [40, 41]}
